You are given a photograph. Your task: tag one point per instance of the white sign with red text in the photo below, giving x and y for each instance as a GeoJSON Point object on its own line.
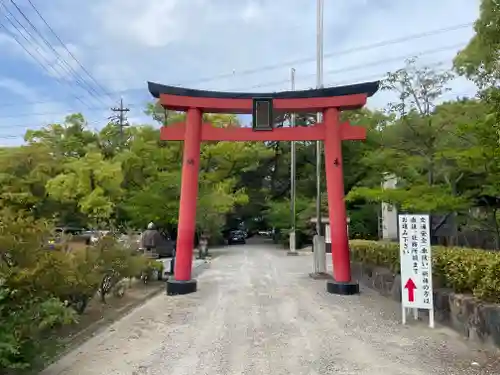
{"type": "Point", "coordinates": [416, 264]}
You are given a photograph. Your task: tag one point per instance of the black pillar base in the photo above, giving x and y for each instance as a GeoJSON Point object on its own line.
{"type": "Point", "coordinates": [344, 289]}
{"type": "Point", "coordinates": [176, 287]}
{"type": "Point", "coordinates": [292, 253]}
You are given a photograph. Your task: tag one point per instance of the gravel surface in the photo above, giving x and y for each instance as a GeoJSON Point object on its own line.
{"type": "Point", "coordinates": [257, 312]}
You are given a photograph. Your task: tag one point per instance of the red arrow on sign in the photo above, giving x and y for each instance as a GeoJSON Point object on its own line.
{"type": "Point", "coordinates": [410, 285]}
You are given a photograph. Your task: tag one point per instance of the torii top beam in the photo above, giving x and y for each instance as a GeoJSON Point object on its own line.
{"type": "Point", "coordinates": [315, 100]}
{"type": "Point", "coordinates": [341, 97]}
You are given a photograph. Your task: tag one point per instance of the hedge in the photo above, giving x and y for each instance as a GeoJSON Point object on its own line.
{"type": "Point", "coordinates": [465, 270]}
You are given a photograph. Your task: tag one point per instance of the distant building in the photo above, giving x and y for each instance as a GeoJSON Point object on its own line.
{"type": "Point", "coordinates": [389, 213]}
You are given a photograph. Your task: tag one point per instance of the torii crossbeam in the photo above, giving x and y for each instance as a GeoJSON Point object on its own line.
{"type": "Point", "coordinates": [330, 101]}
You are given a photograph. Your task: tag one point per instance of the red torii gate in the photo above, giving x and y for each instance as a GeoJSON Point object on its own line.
{"type": "Point", "coordinates": [330, 101]}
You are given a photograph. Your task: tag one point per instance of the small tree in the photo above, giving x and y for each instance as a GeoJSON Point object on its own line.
{"type": "Point", "coordinates": [416, 147]}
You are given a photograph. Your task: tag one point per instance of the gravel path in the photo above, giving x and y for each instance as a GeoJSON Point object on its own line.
{"type": "Point", "coordinates": [257, 312]}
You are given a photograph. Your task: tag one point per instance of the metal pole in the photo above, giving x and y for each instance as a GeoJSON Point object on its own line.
{"type": "Point", "coordinates": [320, 266]}
{"type": "Point", "coordinates": [293, 177]}
{"type": "Point", "coordinates": [319, 84]}
{"type": "Point", "coordinates": [121, 121]}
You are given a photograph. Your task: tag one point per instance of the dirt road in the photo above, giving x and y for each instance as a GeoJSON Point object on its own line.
{"type": "Point", "coordinates": [257, 312]}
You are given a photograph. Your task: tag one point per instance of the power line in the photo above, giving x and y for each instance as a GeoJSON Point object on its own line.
{"type": "Point", "coordinates": [446, 96]}
{"type": "Point", "coordinates": [364, 78]}
{"type": "Point", "coordinates": [36, 59]}
{"type": "Point", "coordinates": [330, 54]}
{"type": "Point", "coordinates": [359, 79]}
{"type": "Point", "coordinates": [359, 66]}
{"type": "Point", "coordinates": [301, 77]}
{"type": "Point", "coordinates": [295, 62]}
{"type": "Point", "coordinates": [92, 123]}
{"type": "Point", "coordinates": [78, 78]}
{"type": "Point", "coordinates": [67, 50]}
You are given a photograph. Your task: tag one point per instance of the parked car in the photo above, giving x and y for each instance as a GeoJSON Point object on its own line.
{"type": "Point", "coordinates": [236, 236]}
{"type": "Point", "coordinates": [265, 233]}
{"type": "Point", "coordinates": [61, 233]}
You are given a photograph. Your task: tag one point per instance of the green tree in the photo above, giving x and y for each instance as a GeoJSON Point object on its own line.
{"type": "Point", "coordinates": [90, 182]}
{"type": "Point", "coordinates": [480, 163]}
{"type": "Point", "coordinates": [416, 148]}
{"type": "Point", "coordinates": [68, 139]}
{"type": "Point", "coordinates": [480, 60]}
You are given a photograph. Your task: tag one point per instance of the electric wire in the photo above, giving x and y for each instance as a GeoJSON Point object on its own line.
{"type": "Point", "coordinates": [446, 96]}
{"type": "Point", "coordinates": [44, 65]}
{"type": "Point", "coordinates": [299, 77]}
{"type": "Point", "coordinates": [287, 63]}
{"type": "Point", "coordinates": [359, 66]}
{"type": "Point", "coordinates": [452, 95]}
{"type": "Point", "coordinates": [79, 80]}
{"type": "Point", "coordinates": [95, 123]}
{"type": "Point", "coordinates": [348, 51]}
{"type": "Point", "coordinates": [68, 51]}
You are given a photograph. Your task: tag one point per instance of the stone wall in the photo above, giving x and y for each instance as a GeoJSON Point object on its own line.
{"type": "Point", "coordinates": [474, 320]}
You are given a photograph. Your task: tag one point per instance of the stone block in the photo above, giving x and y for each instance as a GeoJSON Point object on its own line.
{"type": "Point", "coordinates": [466, 315]}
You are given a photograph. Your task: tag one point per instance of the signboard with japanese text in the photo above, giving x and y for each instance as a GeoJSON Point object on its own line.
{"type": "Point", "coordinates": [416, 264]}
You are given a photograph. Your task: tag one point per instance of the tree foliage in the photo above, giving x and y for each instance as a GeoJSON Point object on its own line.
{"type": "Point", "coordinates": [42, 289]}
{"type": "Point", "coordinates": [445, 156]}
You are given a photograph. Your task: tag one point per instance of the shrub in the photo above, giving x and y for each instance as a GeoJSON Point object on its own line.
{"type": "Point", "coordinates": [155, 267]}
{"type": "Point", "coordinates": [150, 269]}
{"type": "Point", "coordinates": [41, 289]}
{"type": "Point", "coordinates": [79, 277]}
{"type": "Point", "coordinates": [469, 271]}
{"type": "Point", "coordinates": [28, 309]}
{"type": "Point", "coordinates": [24, 324]}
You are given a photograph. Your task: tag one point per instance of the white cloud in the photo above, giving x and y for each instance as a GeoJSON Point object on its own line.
{"type": "Point", "coordinates": [147, 23]}
{"type": "Point", "coordinates": [251, 12]}
{"type": "Point", "coordinates": [124, 43]}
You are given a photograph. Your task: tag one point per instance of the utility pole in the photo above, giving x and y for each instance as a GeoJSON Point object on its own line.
{"type": "Point", "coordinates": [293, 177]}
{"type": "Point", "coordinates": [120, 118]}
{"type": "Point", "coordinates": [319, 244]}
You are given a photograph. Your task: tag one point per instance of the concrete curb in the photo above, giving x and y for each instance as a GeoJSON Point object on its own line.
{"type": "Point", "coordinates": [104, 323]}
{"type": "Point", "coordinates": [198, 269]}
{"type": "Point", "coordinates": [100, 325]}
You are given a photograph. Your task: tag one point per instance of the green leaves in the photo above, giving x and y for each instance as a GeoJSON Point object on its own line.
{"type": "Point", "coordinates": [91, 182]}
{"type": "Point", "coordinates": [471, 271]}
{"type": "Point", "coordinates": [480, 60]}
{"type": "Point", "coordinates": [415, 198]}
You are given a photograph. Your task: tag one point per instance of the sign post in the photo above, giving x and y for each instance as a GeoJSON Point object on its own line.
{"type": "Point", "coordinates": [416, 265]}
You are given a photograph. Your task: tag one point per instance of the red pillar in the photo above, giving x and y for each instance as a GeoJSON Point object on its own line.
{"type": "Point", "coordinates": [189, 196]}
{"type": "Point", "coordinates": [336, 204]}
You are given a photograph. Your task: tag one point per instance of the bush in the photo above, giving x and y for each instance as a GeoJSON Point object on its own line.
{"type": "Point", "coordinates": [155, 267]}
{"type": "Point", "coordinates": [24, 325]}
{"type": "Point", "coordinates": [29, 310]}
{"type": "Point", "coordinates": [467, 271]}
{"type": "Point", "coordinates": [42, 289]}
{"type": "Point", "coordinates": [150, 269]}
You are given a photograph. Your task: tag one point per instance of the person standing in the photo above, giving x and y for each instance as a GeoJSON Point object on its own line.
{"type": "Point", "coordinates": [203, 244]}
{"type": "Point", "coordinates": [150, 238]}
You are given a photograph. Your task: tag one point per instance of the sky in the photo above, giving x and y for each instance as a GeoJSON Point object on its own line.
{"type": "Point", "coordinates": [87, 55]}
